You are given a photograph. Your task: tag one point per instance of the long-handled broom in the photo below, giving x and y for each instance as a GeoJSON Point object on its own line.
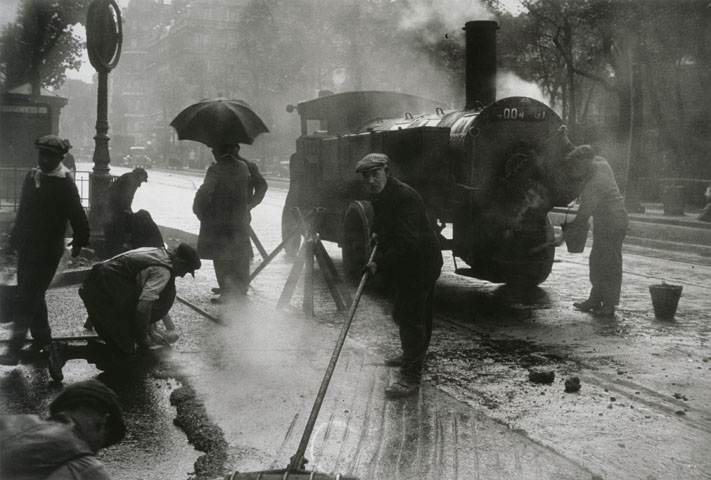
{"type": "Point", "coordinates": [296, 469]}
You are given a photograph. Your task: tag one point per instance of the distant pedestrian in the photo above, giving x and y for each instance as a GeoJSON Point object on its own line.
{"type": "Point", "coordinates": [68, 159]}
{"type": "Point", "coordinates": [125, 296]}
{"type": "Point", "coordinates": [48, 200]}
{"type": "Point", "coordinates": [118, 200]}
{"type": "Point", "coordinates": [232, 187]}
{"type": "Point", "coordinates": [84, 418]}
{"type": "Point", "coordinates": [705, 215]}
{"type": "Point", "coordinates": [601, 200]}
{"type": "Point", "coordinates": [408, 254]}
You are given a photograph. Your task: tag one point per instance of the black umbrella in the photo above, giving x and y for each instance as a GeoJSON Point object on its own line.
{"type": "Point", "coordinates": [218, 121]}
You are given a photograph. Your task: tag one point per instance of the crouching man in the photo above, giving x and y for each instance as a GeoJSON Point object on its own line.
{"type": "Point", "coordinates": [408, 254]}
{"type": "Point", "coordinates": [125, 296]}
{"type": "Point", "coordinates": [84, 418]}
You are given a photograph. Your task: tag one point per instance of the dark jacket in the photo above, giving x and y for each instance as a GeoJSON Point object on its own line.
{"type": "Point", "coordinates": [41, 221]}
{"type": "Point", "coordinates": [257, 185]}
{"type": "Point", "coordinates": [35, 449]}
{"type": "Point", "coordinates": [120, 193]}
{"type": "Point", "coordinates": [222, 205]}
{"type": "Point", "coordinates": [408, 249]}
{"type": "Point", "coordinates": [601, 200]}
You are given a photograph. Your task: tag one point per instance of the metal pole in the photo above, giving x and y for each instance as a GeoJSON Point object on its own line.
{"type": "Point", "coordinates": [297, 461]}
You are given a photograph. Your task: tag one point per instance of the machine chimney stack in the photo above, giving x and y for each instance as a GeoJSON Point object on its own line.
{"type": "Point", "coordinates": [481, 63]}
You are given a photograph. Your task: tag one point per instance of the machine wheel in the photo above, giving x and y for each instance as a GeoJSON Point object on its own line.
{"type": "Point", "coordinates": [536, 271]}
{"type": "Point", "coordinates": [356, 238]}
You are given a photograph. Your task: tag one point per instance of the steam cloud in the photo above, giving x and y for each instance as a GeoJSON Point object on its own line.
{"type": "Point", "coordinates": [508, 84]}
{"type": "Point", "coordinates": [448, 13]}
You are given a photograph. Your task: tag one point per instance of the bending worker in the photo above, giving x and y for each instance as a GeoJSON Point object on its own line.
{"type": "Point", "coordinates": [84, 418]}
{"type": "Point", "coordinates": [601, 200]}
{"type": "Point", "coordinates": [118, 200]}
{"type": "Point", "coordinates": [125, 296]}
{"type": "Point", "coordinates": [408, 254]}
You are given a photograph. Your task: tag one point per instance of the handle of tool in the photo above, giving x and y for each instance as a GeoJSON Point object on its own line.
{"type": "Point", "coordinates": [199, 310]}
{"type": "Point", "coordinates": [298, 459]}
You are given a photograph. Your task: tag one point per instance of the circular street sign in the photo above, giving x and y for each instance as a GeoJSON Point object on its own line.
{"type": "Point", "coordinates": [104, 34]}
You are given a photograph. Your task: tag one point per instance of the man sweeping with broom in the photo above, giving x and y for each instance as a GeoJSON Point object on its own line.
{"type": "Point", "coordinates": [409, 254]}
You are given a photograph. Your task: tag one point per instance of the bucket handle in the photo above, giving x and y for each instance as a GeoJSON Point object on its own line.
{"type": "Point", "coordinates": [570, 206]}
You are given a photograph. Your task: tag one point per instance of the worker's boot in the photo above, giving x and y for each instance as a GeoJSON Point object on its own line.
{"type": "Point", "coordinates": [586, 306]}
{"type": "Point", "coordinates": [55, 361]}
{"type": "Point", "coordinates": [402, 387]}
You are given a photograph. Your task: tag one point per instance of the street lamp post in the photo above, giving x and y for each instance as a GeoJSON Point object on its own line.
{"type": "Point", "coordinates": [103, 41]}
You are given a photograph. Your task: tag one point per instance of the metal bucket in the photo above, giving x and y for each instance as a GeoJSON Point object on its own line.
{"type": "Point", "coordinates": [576, 237]}
{"type": "Point", "coordinates": [665, 299]}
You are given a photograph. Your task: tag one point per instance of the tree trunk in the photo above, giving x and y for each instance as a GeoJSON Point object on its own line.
{"type": "Point", "coordinates": [636, 167]}
{"type": "Point", "coordinates": [570, 73]}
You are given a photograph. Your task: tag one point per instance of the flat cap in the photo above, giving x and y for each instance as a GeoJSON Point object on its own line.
{"type": "Point", "coordinates": [189, 255]}
{"type": "Point", "coordinates": [96, 395]}
{"type": "Point", "coordinates": [371, 162]}
{"type": "Point", "coordinates": [141, 173]}
{"type": "Point", "coordinates": [52, 143]}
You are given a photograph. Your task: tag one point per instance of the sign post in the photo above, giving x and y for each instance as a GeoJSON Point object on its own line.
{"type": "Point", "coordinates": [103, 41]}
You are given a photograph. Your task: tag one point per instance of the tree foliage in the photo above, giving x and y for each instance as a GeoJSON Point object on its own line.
{"type": "Point", "coordinates": [39, 46]}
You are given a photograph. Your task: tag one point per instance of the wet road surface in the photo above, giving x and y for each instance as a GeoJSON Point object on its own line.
{"type": "Point", "coordinates": [642, 411]}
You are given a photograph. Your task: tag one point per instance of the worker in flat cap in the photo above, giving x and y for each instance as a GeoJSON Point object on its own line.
{"type": "Point", "coordinates": [602, 201]}
{"type": "Point", "coordinates": [124, 297]}
{"type": "Point", "coordinates": [84, 418]}
{"type": "Point", "coordinates": [48, 200]}
{"type": "Point", "coordinates": [409, 255]}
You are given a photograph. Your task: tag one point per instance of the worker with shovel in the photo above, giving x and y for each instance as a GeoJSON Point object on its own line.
{"type": "Point", "coordinates": [410, 255]}
{"type": "Point", "coordinates": [125, 296]}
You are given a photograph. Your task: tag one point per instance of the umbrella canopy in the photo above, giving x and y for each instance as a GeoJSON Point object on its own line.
{"type": "Point", "coordinates": [218, 121]}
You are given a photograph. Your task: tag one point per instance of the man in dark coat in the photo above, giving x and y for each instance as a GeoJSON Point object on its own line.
{"type": "Point", "coordinates": [408, 254]}
{"type": "Point", "coordinates": [84, 418]}
{"type": "Point", "coordinates": [118, 199]}
{"type": "Point", "coordinates": [601, 200]}
{"type": "Point", "coordinates": [232, 187]}
{"type": "Point", "coordinates": [125, 296]}
{"type": "Point", "coordinates": [48, 200]}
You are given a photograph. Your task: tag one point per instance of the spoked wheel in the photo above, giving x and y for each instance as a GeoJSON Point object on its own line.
{"type": "Point", "coordinates": [356, 238]}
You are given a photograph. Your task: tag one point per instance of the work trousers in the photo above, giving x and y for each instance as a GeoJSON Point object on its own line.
{"type": "Point", "coordinates": [412, 313]}
{"type": "Point", "coordinates": [33, 279]}
{"type": "Point", "coordinates": [115, 233]}
{"type": "Point", "coordinates": [232, 274]}
{"type": "Point", "coordinates": [606, 266]}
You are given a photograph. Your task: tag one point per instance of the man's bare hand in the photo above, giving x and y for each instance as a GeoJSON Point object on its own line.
{"type": "Point", "coordinates": [371, 269]}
